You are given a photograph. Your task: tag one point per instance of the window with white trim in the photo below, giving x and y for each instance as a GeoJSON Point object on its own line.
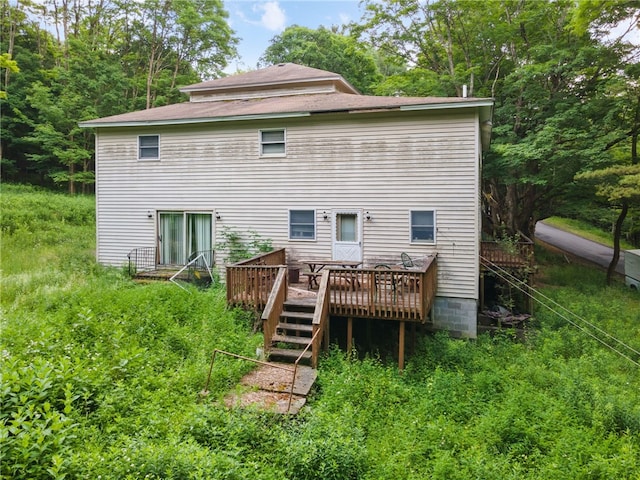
{"type": "Point", "coordinates": [302, 225]}
{"type": "Point", "coordinates": [272, 143]}
{"type": "Point", "coordinates": [423, 226]}
{"type": "Point", "coordinates": [148, 147]}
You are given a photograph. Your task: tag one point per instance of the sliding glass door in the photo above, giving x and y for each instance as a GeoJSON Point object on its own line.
{"type": "Point", "coordinates": [182, 233]}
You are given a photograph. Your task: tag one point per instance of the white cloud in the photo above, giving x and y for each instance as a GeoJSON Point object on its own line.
{"type": "Point", "coordinates": [344, 18]}
{"type": "Point", "coordinates": [273, 16]}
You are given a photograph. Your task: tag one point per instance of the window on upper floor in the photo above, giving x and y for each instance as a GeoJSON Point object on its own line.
{"type": "Point", "coordinates": [272, 143]}
{"type": "Point", "coordinates": [302, 224]}
{"type": "Point", "coordinates": [148, 147]}
{"type": "Point", "coordinates": [423, 226]}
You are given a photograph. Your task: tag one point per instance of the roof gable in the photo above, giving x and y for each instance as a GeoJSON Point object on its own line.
{"type": "Point", "coordinates": [285, 91]}
{"type": "Point", "coordinates": [277, 80]}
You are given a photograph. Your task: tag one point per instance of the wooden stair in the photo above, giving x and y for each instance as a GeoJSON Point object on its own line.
{"type": "Point", "coordinates": [293, 333]}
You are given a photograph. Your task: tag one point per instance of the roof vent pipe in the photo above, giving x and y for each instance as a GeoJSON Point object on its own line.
{"type": "Point", "coordinates": [464, 91]}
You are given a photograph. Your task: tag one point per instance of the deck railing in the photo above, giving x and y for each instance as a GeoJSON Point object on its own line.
{"type": "Point", "coordinates": [394, 294]}
{"type": "Point", "coordinates": [505, 254]}
{"type": "Point", "coordinates": [249, 282]}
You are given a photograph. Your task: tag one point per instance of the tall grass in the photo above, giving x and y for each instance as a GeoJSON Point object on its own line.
{"type": "Point", "coordinates": [101, 379]}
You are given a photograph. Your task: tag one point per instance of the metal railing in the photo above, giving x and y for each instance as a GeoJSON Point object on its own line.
{"type": "Point", "coordinates": [293, 370]}
{"type": "Point", "coordinates": [142, 259]}
{"type": "Point", "coordinates": [202, 259]}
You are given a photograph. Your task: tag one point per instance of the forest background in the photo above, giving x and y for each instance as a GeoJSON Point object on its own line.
{"type": "Point", "coordinates": [100, 375]}
{"type": "Point", "coordinates": [565, 79]}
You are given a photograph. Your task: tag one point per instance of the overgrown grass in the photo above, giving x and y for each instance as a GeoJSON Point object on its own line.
{"type": "Point", "coordinates": [101, 379]}
{"type": "Point", "coordinates": [586, 230]}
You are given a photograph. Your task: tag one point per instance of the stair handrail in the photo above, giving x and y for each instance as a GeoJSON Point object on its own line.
{"type": "Point", "coordinates": [274, 307]}
{"type": "Point", "coordinates": [320, 316]}
{"type": "Point", "coordinates": [205, 391]}
{"type": "Point", "coordinates": [295, 367]}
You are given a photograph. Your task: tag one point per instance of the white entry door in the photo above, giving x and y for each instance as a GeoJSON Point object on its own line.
{"type": "Point", "coordinates": [347, 235]}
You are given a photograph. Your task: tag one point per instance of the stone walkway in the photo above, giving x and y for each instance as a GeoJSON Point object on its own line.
{"type": "Point", "coordinates": [269, 386]}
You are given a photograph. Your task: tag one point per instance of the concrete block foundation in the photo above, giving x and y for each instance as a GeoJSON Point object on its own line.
{"type": "Point", "coordinates": [458, 316]}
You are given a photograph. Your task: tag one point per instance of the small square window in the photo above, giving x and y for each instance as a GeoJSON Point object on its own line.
{"type": "Point", "coordinates": [148, 147]}
{"type": "Point", "coordinates": [423, 226]}
{"type": "Point", "coordinates": [302, 224]}
{"type": "Point", "coordinates": [272, 142]}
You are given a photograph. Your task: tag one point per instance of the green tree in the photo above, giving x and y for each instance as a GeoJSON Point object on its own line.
{"type": "Point", "coordinates": [170, 38]}
{"type": "Point", "coordinates": [95, 59]}
{"type": "Point", "coordinates": [326, 50]}
{"type": "Point", "coordinates": [542, 71]}
{"type": "Point", "coordinates": [615, 173]}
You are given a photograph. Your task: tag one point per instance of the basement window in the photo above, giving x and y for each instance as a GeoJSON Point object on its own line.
{"type": "Point", "coordinates": [423, 226]}
{"type": "Point", "coordinates": [272, 143]}
{"type": "Point", "coordinates": [148, 147]}
{"type": "Point", "coordinates": [302, 225]}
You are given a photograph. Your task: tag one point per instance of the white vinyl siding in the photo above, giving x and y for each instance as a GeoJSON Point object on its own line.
{"type": "Point", "coordinates": [272, 143]}
{"type": "Point", "coordinates": [302, 225]}
{"type": "Point", "coordinates": [420, 161]}
{"type": "Point", "coordinates": [149, 147]}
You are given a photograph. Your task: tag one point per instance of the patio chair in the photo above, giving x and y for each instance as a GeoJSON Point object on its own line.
{"type": "Point", "coordinates": [406, 260]}
{"type": "Point", "coordinates": [385, 282]}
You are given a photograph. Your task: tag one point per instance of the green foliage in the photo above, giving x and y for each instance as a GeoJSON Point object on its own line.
{"type": "Point", "coordinates": [565, 90]}
{"type": "Point", "coordinates": [104, 59]}
{"type": "Point", "coordinates": [36, 429]}
{"type": "Point", "coordinates": [326, 50]}
{"type": "Point", "coordinates": [101, 379]}
{"type": "Point", "coordinates": [239, 247]}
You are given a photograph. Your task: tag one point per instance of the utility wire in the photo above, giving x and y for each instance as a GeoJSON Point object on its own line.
{"type": "Point", "coordinates": [517, 283]}
{"type": "Point", "coordinates": [595, 327]}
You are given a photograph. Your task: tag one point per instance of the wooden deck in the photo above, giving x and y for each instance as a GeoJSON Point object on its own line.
{"type": "Point", "coordinates": [395, 294]}
{"type": "Point", "coordinates": [518, 255]}
{"type": "Point", "coordinates": [402, 295]}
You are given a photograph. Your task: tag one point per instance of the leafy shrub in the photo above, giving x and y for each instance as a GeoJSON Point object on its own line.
{"type": "Point", "coordinates": [239, 247]}
{"type": "Point", "coordinates": [107, 373]}
{"type": "Point", "coordinates": [36, 425]}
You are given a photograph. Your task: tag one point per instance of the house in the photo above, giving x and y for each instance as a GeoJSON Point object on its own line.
{"type": "Point", "coordinates": [297, 155]}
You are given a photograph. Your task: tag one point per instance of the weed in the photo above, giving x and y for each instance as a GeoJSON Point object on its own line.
{"type": "Point", "coordinates": [100, 380]}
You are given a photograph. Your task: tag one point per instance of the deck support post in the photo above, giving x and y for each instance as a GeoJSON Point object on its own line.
{"type": "Point", "coordinates": [413, 338]}
{"type": "Point", "coordinates": [349, 333]}
{"type": "Point", "coordinates": [401, 347]}
{"type": "Point", "coordinates": [327, 336]}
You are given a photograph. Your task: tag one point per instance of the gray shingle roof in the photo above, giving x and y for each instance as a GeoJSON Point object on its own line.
{"type": "Point", "coordinates": [280, 74]}
{"type": "Point", "coordinates": [276, 106]}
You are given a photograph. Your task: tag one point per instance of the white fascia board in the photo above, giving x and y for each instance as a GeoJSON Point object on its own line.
{"type": "Point", "coordinates": [186, 121]}
{"type": "Point", "coordinates": [440, 106]}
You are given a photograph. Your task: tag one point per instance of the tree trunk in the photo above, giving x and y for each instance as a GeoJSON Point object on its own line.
{"type": "Point", "coordinates": [617, 233]}
{"type": "Point", "coordinates": [72, 184]}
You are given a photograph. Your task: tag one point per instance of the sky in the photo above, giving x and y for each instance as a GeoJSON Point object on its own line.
{"type": "Point", "coordinates": [256, 22]}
